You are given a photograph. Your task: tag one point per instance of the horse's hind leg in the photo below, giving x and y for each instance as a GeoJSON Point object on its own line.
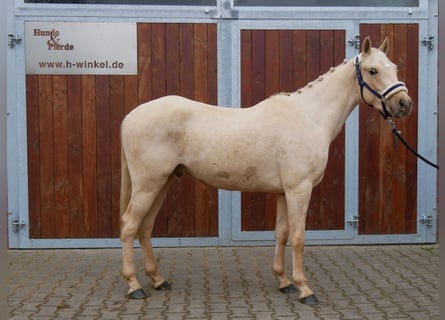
{"type": "Point", "coordinates": [281, 236]}
{"type": "Point", "coordinates": [140, 203]}
{"type": "Point", "coordinates": [145, 230]}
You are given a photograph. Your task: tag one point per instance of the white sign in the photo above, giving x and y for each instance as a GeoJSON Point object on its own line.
{"type": "Point", "coordinates": [80, 48]}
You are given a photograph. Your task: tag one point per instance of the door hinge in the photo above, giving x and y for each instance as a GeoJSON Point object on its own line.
{"type": "Point", "coordinates": [17, 224]}
{"type": "Point", "coordinates": [353, 221]}
{"type": "Point", "coordinates": [355, 42]}
{"type": "Point", "coordinates": [429, 42]}
{"type": "Point", "coordinates": [427, 219]}
{"type": "Point", "coordinates": [13, 40]}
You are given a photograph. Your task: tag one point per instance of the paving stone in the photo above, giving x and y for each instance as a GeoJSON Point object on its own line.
{"type": "Point", "coordinates": [351, 282]}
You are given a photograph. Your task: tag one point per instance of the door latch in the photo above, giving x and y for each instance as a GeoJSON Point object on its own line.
{"type": "Point", "coordinates": [353, 220]}
{"type": "Point", "coordinates": [17, 224]}
{"type": "Point", "coordinates": [427, 219]}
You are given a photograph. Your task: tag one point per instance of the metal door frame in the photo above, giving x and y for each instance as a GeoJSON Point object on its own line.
{"type": "Point", "coordinates": [229, 22]}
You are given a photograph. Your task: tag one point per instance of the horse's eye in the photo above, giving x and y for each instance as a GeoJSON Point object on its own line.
{"type": "Point", "coordinates": [373, 71]}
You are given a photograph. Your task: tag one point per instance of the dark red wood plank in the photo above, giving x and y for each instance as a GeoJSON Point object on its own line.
{"type": "Point", "coordinates": [60, 133]}
{"type": "Point", "coordinates": [186, 78]}
{"type": "Point", "coordinates": [116, 115]}
{"type": "Point", "coordinates": [272, 63]}
{"type": "Point", "coordinates": [144, 34]}
{"type": "Point", "coordinates": [46, 121]}
{"type": "Point", "coordinates": [33, 138]}
{"type": "Point", "coordinates": [89, 157]}
{"type": "Point", "coordinates": [200, 61]}
{"type": "Point", "coordinates": [103, 156]}
{"type": "Point", "coordinates": [212, 64]}
{"type": "Point", "coordinates": [246, 68]}
{"type": "Point", "coordinates": [299, 58]}
{"type": "Point", "coordinates": [158, 66]}
{"type": "Point", "coordinates": [286, 66]}
{"type": "Point", "coordinates": [75, 156]}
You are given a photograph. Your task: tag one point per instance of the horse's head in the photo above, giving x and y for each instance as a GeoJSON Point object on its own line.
{"type": "Point", "coordinates": [378, 83]}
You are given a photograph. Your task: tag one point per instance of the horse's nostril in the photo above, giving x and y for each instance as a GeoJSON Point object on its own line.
{"type": "Point", "coordinates": [404, 104]}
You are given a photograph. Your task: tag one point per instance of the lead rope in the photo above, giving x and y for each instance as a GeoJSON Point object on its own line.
{"type": "Point", "coordinates": [397, 134]}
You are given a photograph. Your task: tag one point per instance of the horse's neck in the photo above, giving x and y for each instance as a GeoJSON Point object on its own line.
{"type": "Point", "coordinates": [329, 100]}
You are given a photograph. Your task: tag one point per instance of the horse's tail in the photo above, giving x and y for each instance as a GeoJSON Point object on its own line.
{"type": "Point", "coordinates": [125, 181]}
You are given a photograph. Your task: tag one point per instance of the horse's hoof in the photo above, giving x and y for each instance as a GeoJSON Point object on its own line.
{"type": "Point", "coordinates": [310, 300]}
{"type": "Point", "coordinates": [164, 286]}
{"type": "Point", "coordinates": [137, 295]}
{"type": "Point", "coordinates": [289, 289]}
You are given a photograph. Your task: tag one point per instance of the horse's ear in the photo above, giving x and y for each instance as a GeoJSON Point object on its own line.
{"type": "Point", "coordinates": [384, 46]}
{"type": "Point", "coordinates": [367, 45]}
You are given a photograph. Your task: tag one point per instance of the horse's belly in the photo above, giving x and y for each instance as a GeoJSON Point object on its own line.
{"type": "Point", "coordinates": [249, 178]}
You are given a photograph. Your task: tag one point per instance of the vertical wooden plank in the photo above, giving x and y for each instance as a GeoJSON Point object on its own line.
{"type": "Point", "coordinates": [253, 211]}
{"type": "Point", "coordinates": [172, 58]}
{"type": "Point", "coordinates": [336, 219]}
{"type": "Point", "coordinates": [272, 86]}
{"type": "Point", "coordinates": [200, 61]}
{"type": "Point", "coordinates": [60, 136]}
{"type": "Point", "coordinates": [286, 64]}
{"type": "Point", "coordinates": [272, 63]}
{"type": "Point", "coordinates": [103, 156]}
{"type": "Point", "coordinates": [131, 93]}
{"type": "Point", "coordinates": [299, 58]}
{"type": "Point", "coordinates": [398, 221]}
{"type": "Point", "coordinates": [212, 64]}
{"type": "Point", "coordinates": [33, 138]}
{"type": "Point", "coordinates": [75, 156]}
{"type": "Point", "coordinates": [144, 34]}
{"type": "Point", "coordinates": [200, 94]}
{"type": "Point", "coordinates": [386, 150]}
{"type": "Point", "coordinates": [89, 156]}
{"type": "Point", "coordinates": [158, 67]}
{"type": "Point", "coordinates": [246, 68]}
{"type": "Point", "coordinates": [332, 186]}
{"type": "Point", "coordinates": [186, 77]}
{"type": "Point", "coordinates": [116, 116]}
{"type": "Point", "coordinates": [186, 67]}
{"type": "Point", "coordinates": [313, 71]}
{"type": "Point", "coordinates": [369, 215]}
{"type": "Point", "coordinates": [258, 66]}
{"type": "Point", "coordinates": [46, 122]}
{"type": "Point", "coordinates": [212, 98]}
{"type": "Point", "coordinates": [323, 191]}
{"type": "Point", "coordinates": [168, 222]}
{"type": "Point", "coordinates": [313, 54]}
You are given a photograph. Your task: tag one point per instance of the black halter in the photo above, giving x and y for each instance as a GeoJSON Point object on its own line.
{"type": "Point", "coordinates": [400, 86]}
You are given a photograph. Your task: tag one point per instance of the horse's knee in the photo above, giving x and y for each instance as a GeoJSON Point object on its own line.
{"type": "Point", "coordinates": [278, 269]}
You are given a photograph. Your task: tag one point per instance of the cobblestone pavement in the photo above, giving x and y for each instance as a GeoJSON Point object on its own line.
{"type": "Point", "coordinates": [351, 282]}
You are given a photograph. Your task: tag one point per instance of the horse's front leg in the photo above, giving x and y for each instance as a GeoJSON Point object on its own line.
{"type": "Point", "coordinates": [281, 236]}
{"type": "Point", "coordinates": [297, 204]}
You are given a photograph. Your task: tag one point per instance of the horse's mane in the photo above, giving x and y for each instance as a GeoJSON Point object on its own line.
{"type": "Point", "coordinates": [309, 84]}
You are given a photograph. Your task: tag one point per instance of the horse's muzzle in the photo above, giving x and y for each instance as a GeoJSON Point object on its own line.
{"type": "Point", "coordinates": [400, 105]}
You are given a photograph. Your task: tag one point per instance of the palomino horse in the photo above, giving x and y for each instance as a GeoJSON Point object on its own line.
{"type": "Point", "coordinates": [279, 145]}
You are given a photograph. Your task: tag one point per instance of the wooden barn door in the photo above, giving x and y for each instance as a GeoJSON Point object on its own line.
{"type": "Point", "coordinates": [274, 61]}
{"type": "Point", "coordinates": [74, 145]}
{"type": "Point", "coordinates": [387, 171]}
